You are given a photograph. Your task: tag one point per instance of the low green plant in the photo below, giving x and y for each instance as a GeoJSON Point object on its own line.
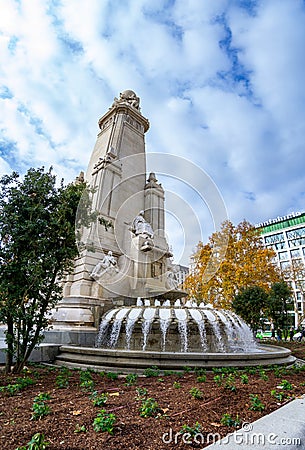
{"type": "Point", "coordinates": [39, 407]}
{"type": "Point", "coordinates": [176, 385]}
{"type": "Point", "coordinates": [152, 371]}
{"type": "Point", "coordinates": [62, 379]}
{"type": "Point", "coordinates": [86, 380]}
{"type": "Point", "coordinates": [256, 404]}
{"type": "Point", "coordinates": [21, 383]}
{"type": "Point", "coordinates": [161, 380]}
{"type": "Point", "coordinates": [244, 378]}
{"type": "Point", "coordinates": [251, 370]}
{"type": "Point", "coordinates": [149, 408]}
{"type": "Point", "coordinates": [229, 421]}
{"type": "Point", "coordinates": [104, 422]}
{"type": "Point", "coordinates": [142, 393]}
{"type": "Point", "coordinates": [202, 378]}
{"type": "Point", "coordinates": [187, 369]}
{"type": "Point", "coordinates": [37, 442]}
{"type": "Point", "coordinates": [172, 372]}
{"type": "Point", "coordinates": [218, 380]}
{"type": "Point", "coordinates": [230, 383]}
{"type": "Point", "coordinates": [199, 371]}
{"type": "Point", "coordinates": [131, 379]}
{"type": "Point", "coordinates": [196, 393]}
{"type": "Point", "coordinates": [112, 375]}
{"type": "Point", "coordinates": [286, 385]}
{"type": "Point", "coordinates": [279, 395]}
{"type": "Point", "coordinates": [263, 376]}
{"type": "Point", "coordinates": [80, 429]}
{"type": "Point", "coordinates": [98, 399]}
{"type": "Point", "coordinates": [192, 431]}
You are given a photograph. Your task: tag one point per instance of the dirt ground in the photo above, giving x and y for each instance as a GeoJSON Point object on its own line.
{"type": "Point", "coordinates": [224, 398]}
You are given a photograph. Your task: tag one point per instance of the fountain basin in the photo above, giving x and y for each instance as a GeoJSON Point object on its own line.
{"type": "Point", "coordinates": [175, 328]}
{"type": "Point", "coordinates": [132, 361]}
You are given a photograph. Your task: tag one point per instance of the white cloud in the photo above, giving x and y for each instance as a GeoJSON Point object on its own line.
{"type": "Point", "coordinates": [221, 85]}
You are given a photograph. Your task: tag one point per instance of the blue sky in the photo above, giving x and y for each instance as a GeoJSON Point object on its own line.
{"type": "Point", "coordinates": [222, 83]}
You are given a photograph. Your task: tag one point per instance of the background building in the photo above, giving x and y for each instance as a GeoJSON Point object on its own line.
{"type": "Point", "coordinates": [286, 236]}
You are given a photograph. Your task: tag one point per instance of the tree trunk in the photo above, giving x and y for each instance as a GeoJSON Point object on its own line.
{"type": "Point", "coordinates": [10, 344]}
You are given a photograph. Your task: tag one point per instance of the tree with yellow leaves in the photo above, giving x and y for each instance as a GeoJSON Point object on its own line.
{"type": "Point", "coordinates": [233, 259]}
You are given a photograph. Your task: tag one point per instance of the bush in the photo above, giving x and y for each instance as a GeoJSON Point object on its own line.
{"type": "Point", "coordinates": [104, 422]}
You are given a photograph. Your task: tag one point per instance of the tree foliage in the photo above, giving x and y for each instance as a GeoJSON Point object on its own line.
{"type": "Point", "coordinates": [249, 304]}
{"type": "Point", "coordinates": [37, 231]}
{"type": "Point", "coordinates": [233, 259]}
{"type": "Point", "coordinates": [279, 304]}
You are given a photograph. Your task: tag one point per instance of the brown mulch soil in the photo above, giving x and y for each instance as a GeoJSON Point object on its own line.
{"type": "Point", "coordinates": [71, 409]}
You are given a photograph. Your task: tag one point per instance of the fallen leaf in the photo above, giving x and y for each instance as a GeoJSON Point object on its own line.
{"type": "Point", "coordinates": [116, 394]}
{"type": "Point", "coordinates": [216, 424]}
{"type": "Point", "coordinates": [77, 412]}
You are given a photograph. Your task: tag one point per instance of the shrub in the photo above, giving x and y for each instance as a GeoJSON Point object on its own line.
{"type": "Point", "coordinates": [256, 404]}
{"type": "Point", "coordinates": [39, 407]}
{"type": "Point", "coordinates": [149, 408]}
{"type": "Point", "coordinates": [112, 376]}
{"type": "Point", "coordinates": [196, 393]}
{"type": "Point", "coordinates": [104, 422]}
{"type": "Point", "coordinates": [244, 378]}
{"type": "Point", "coordinates": [152, 371]}
{"type": "Point", "coordinates": [191, 430]}
{"type": "Point", "coordinates": [229, 421]}
{"type": "Point", "coordinates": [142, 393]}
{"type": "Point", "coordinates": [131, 379]}
{"type": "Point", "coordinates": [98, 400]}
{"type": "Point", "coordinates": [37, 442]}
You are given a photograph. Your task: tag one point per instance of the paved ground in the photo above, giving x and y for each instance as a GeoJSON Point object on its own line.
{"type": "Point", "coordinates": [282, 429]}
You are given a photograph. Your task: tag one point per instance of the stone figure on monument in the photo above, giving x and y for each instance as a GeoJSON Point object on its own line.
{"type": "Point", "coordinates": [140, 227]}
{"type": "Point", "coordinates": [108, 265]}
{"type": "Point", "coordinates": [128, 97]}
{"type": "Point", "coordinates": [171, 278]}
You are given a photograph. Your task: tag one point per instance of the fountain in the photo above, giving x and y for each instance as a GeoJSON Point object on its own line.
{"type": "Point", "coordinates": [123, 308]}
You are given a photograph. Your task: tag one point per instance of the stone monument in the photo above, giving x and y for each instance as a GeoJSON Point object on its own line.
{"type": "Point", "coordinates": [124, 254]}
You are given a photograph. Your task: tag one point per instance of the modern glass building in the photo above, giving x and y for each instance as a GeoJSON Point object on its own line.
{"type": "Point", "coordinates": [286, 235]}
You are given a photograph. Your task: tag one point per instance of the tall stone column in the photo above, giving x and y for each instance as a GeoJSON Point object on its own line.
{"type": "Point", "coordinates": [117, 173]}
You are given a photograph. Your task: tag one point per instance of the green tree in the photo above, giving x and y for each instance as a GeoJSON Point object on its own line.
{"type": "Point", "coordinates": [279, 304]}
{"type": "Point", "coordinates": [37, 249]}
{"type": "Point", "coordinates": [249, 304]}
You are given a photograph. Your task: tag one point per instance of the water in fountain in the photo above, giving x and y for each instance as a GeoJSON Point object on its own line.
{"type": "Point", "coordinates": [104, 327]}
{"type": "Point", "coordinates": [246, 335]}
{"type": "Point", "coordinates": [182, 327]}
{"type": "Point", "coordinates": [216, 331]}
{"type": "Point", "coordinates": [131, 320]}
{"type": "Point", "coordinates": [116, 327]}
{"type": "Point", "coordinates": [165, 315]}
{"type": "Point", "coordinates": [201, 327]}
{"type": "Point", "coordinates": [148, 316]}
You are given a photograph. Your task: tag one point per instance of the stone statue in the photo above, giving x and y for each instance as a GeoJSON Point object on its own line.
{"type": "Point", "coordinates": [171, 281]}
{"type": "Point", "coordinates": [128, 97]}
{"type": "Point", "coordinates": [141, 227]}
{"type": "Point", "coordinates": [107, 265]}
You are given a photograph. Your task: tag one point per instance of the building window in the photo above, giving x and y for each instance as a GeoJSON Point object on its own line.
{"type": "Point", "coordinates": [295, 254]}
{"type": "Point", "coordinates": [284, 264]}
{"type": "Point", "coordinates": [274, 238]}
{"type": "Point", "coordinates": [296, 242]}
{"type": "Point", "coordinates": [283, 256]}
{"type": "Point", "coordinates": [293, 234]}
